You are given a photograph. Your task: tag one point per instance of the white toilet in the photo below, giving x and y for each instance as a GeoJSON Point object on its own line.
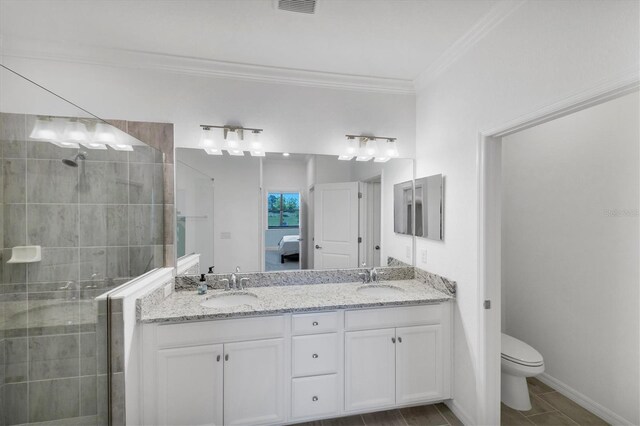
{"type": "Point", "coordinates": [518, 361]}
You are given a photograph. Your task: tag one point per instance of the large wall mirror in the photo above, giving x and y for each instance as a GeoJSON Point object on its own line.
{"type": "Point", "coordinates": [300, 211]}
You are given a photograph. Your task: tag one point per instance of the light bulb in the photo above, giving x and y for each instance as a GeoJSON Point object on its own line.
{"type": "Point", "coordinates": [206, 139]}
{"type": "Point", "coordinates": [371, 148]}
{"type": "Point", "coordinates": [232, 138]}
{"type": "Point", "coordinates": [44, 129]}
{"type": "Point", "coordinates": [256, 142]}
{"type": "Point", "coordinates": [350, 149]}
{"type": "Point", "coordinates": [74, 131]}
{"type": "Point", "coordinates": [391, 148]}
{"type": "Point", "coordinates": [103, 134]}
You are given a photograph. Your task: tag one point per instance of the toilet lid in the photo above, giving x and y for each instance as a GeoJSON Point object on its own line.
{"type": "Point", "coordinates": [519, 352]}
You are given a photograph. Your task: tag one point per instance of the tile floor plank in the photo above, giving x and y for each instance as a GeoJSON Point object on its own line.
{"type": "Point", "coordinates": [344, 421]}
{"type": "Point", "coordinates": [511, 417]}
{"type": "Point", "coordinates": [536, 387]}
{"type": "Point", "coordinates": [384, 418]}
{"type": "Point", "coordinates": [572, 410]}
{"type": "Point", "coordinates": [423, 415]}
{"type": "Point", "coordinates": [538, 406]}
{"type": "Point", "coordinates": [448, 414]}
{"type": "Point", "coordinates": [554, 418]}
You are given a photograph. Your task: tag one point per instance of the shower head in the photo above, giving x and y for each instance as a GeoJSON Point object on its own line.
{"type": "Point", "coordinates": [73, 162]}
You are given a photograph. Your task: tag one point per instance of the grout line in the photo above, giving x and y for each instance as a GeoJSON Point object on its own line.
{"type": "Point", "coordinates": [403, 419]}
{"type": "Point", "coordinates": [442, 414]}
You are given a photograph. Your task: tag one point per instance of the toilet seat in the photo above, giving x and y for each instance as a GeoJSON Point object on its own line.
{"type": "Point", "coordinates": [518, 352]}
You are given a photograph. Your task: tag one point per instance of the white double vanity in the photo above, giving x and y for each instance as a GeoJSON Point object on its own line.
{"type": "Point", "coordinates": [303, 352]}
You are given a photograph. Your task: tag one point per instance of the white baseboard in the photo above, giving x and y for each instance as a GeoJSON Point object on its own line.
{"type": "Point", "coordinates": [460, 413]}
{"type": "Point", "coordinates": [583, 400]}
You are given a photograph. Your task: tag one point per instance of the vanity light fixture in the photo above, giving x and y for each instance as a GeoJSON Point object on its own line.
{"type": "Point", "coordinates": [232, 138]}
{"type": "Point", "coordinates": [73, 132]}
{"type": "Point", "coordinates": [364, 148]}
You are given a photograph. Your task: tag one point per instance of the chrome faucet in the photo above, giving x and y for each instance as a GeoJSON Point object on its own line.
{"type": "Point", "coordinates": [234, 279]}
{"type": "Point", "coordinates": [369, 275]}
{"type": "Point", "coordinates": [366, 275]}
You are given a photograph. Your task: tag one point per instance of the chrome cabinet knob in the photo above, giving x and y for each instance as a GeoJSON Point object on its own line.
{"type": "Point", "coordinates": [315, 323]}
{"type": "Point", "coordinates": [399, 339]}
{"type": "Point", "coordinates": [314, 356]}
{"type": "Point", "coordinates": [393, 340]}
{"type": "Point", "coordinates": [314, 399]}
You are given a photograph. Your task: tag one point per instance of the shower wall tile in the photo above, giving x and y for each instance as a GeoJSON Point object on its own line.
{"type": "Point", "coordinates": [88, 354]}
{"type": "Point", "coordinates": [53, 357]}
{"type": "Point", "coordinates": [103, 225]}
{"type": "Point", "coordinates": [118, 413]}
{"type": "Point", "coordinates": [16, 367]}
{"type": "Point", "coordinates": [15, 404]}
{"type": "Point", "coordinates": [146, 224]}
{"type": "Point", "coordinates": [14, 225]}
{"type": "Point", "coordinates": [57, 265]}
{"type": "Point", "coordinates": [169, 223]}
{"type": "Point", "coordinates": [13, 135]}
{"type": "Point", "coordinates": [145, 258]}
{"type": "Point", "coordinates": [104, 262]}
{"type": "Point", "coordinates": [144, 154]}
{"type": "Point", "coordinates": [168, 184]}
{"type": "Point", "coordinates": [141, 188]}
{"type": "Point", "coordinates": [54, 399]}
{"type": "Point", "coordinates": [46, 151]}
{"type": "Point", "coordinates": [53, 225]}
{"type": "Point", "coordinates": [12, 272]}
{"type": "Point", "coordinates": [50, 181]}
{"type": "Point", "coordinates": [88, 396]}
{"type": "Point", "coordinates": [13, 180]}
{"type": "Point", "coordinates": [104, 183]}
{"type": "Point", "coordinates": [157, 135]}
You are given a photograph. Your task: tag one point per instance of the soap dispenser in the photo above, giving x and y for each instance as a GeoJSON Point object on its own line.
{"type": "Point", "coordinates": [202, 287]}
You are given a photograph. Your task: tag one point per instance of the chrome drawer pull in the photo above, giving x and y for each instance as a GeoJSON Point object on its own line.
{"type": "Point", "coordinates": [314, 399]}
{"type": "Point", "coordinates": [314, 356]}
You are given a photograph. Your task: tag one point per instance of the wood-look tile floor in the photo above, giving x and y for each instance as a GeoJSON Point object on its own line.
{"type": "Point", "coordinates": [424, 415]}
{"type": "Point", "coordinates": [548, 408]}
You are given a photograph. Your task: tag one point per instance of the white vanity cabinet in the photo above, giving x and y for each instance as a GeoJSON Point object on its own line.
{"type": "Point", "coordinates": [190, 381]}
{"type": "Point", "coordinates": [292, 368]}
{"type": "Point", "coordinates": [396, 356]}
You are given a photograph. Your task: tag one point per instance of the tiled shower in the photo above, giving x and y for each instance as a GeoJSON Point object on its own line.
{"type": "Point", "coordinates": [98, 224]}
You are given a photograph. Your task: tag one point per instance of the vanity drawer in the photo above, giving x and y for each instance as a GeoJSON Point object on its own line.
{"type": "Point", "coordinates": [314, 396]}
{"type": "Point", "coordinates": [369, 319]}
{"type": "Point", "coordinates": [320, 322]}
{"type": "Point", "coordinates": [314, 354]}
{"type": "Point", "coordinates": [219, 331]}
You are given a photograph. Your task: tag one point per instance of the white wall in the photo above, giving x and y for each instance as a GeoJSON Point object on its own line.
{"type": "Point", "coordinates": [294, 118]}
{"type": "Point", "coordinates": [236, 207]}
{"type": "Point", "coordinates": [542, 53]}
{"type": "Point", "coordinates": [569, 267]}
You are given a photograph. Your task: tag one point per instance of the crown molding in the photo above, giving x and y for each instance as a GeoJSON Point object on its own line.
{"type": "Point", "coordinates": [498, 13]}
{"type": "Point", "coordinates": [48, 51]}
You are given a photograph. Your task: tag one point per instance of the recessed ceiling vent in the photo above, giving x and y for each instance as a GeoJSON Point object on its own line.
{"type": "Point", "coordinates": [297, 6]}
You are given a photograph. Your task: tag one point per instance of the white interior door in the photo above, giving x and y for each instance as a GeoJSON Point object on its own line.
{"type": "Point", "coordinates": [336, 225]}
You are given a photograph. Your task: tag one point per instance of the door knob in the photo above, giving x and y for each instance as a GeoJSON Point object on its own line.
{"type": "Point", "coordinates": [318, 247]}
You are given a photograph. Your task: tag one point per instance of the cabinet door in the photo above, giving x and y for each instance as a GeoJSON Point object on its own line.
{"type": "Point", "coordinates": [419, 364]}
{"type": "Point", "coordinates": [190, 386]}
{"type": "Point", "coordinates": [370, 358]}
{"type": "Point", "coordinates": [254, 382]}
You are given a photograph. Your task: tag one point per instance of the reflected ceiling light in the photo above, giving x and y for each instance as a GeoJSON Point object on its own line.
{"type": "Point", "coordinates": [103, 134]}
{"type": "Point", "coordinates": [64, 144]}
{"type": "Point", "coordinates": [44, 129]}
{"type": "Point", "coordinates": [365, 148]}
{"type": "Point", "coordinates": [233, 137]}
{"type": "Point", "coordinates": [93, 145]}
{"type": "Point", "coordinates": [121, 147]}
{"type": "Point", "coordinates": [75, 131]}
{"type": "Point", "coordinates": [285, 154]}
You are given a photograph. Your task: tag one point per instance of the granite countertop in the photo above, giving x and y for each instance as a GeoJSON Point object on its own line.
{"type": "Point", "coordinates": [185, 305]}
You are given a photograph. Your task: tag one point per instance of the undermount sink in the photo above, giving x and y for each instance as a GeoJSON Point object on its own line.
{"type": "Point", "coordinates": [227, 300]}
{"type": "Point", "coordinates": [379, 290]}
